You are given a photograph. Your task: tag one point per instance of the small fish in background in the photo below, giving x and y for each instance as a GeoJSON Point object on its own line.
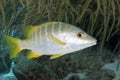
{"type": "Point", "coordinates": [51, 38]}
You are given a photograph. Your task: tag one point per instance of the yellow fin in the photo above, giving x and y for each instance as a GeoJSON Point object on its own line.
{"type": "Point", "coordinates": [32, 54]}
{"type": "Point", "coordinates": [48, 23]}
{"type": "Point", "coordinates": [29, 30]}
{"type": "Point", "coordinates": [56, 56]}
{"type": "Point", "coordinates": [13, 44]}
{"type": "Point", "coordinates": [56, 40]}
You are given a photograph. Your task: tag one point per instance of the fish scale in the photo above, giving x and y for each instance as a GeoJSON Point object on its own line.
{"type": "Point", "coordinates": [52, 38]}
{"type": "Point", "coordinates": [44, 40]}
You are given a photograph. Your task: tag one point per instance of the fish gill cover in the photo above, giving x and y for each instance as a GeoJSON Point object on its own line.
{"type": "Point", "coordinates": [99, 18]}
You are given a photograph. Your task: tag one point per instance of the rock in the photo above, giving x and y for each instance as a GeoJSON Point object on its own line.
{"type": "Point", "coordinates": [46, 69]}
{"type": "Point", "coordinates": [74, 77]}
{"type": "Point", "coordinates": [104, 74]}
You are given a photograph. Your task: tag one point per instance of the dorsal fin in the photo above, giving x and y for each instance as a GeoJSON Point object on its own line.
{"type": "Point", "coordinates": [29, 30]}
{"type": "Point", "coordinates": [48, 23]}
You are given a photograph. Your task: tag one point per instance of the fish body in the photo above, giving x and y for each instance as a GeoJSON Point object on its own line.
{"type": "Point", "coordinates": [52, 38]}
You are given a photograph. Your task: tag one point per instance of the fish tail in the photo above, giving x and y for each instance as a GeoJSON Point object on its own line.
{"type": "Point", "coordinates": [13, 44]}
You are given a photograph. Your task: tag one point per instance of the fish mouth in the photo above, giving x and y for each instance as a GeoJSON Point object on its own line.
{"type": "Point", "coordinates": [94, 42]}
{"type": "Point", "coordinates": [77, 48]}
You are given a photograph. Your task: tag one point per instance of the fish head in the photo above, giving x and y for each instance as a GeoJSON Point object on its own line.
{"type": "Point", "coordinates": [77, 39]}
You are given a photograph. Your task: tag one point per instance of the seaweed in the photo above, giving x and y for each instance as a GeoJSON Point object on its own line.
{"type": "Point", "coordinates": [100, 18]}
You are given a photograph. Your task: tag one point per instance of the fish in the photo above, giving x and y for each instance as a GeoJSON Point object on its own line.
{"type": "Point", "coordinates": [51, 38]}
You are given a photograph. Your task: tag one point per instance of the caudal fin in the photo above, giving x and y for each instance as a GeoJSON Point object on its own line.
{"type": "Point", "coordinates": [13, 44]}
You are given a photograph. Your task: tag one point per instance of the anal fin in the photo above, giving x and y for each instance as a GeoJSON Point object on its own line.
{"type": "Point", "coordinates": [32, 54]}
{"type": "Point", "coordinates": [56, 56]}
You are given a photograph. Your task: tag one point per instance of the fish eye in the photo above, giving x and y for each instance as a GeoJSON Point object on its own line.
{"type": "Point", "coordinates": [79, 35]}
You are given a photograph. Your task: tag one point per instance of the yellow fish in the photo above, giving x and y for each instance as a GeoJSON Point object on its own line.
{"type": "Point", "coordinates": [51, 38]}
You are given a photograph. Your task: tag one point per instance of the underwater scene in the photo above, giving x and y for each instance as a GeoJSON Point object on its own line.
{"type": "Point", "coordinates": [59, 39]}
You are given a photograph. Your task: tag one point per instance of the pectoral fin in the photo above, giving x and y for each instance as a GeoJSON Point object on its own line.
{"type": "Point", "coordinates": [32, 54]}
{"type": "Point", "coordinates": [56, 56]}
{"type": "Point", "coordinates": [56, 40]}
